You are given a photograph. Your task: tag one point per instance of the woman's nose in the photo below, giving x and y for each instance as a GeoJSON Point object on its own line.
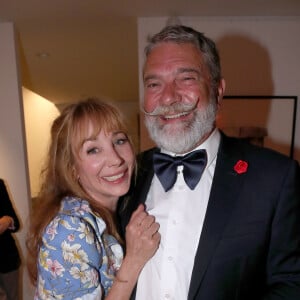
{"type": "Point", "coordinates": [114, 158]}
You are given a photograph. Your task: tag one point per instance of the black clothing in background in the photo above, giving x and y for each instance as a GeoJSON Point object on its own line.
{"type": "Point", "coordinates": [9, 254]}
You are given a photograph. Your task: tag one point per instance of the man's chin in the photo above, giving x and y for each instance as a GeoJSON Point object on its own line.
{"type": "Point", "coordinates": [172, 141]}
{"type": "Point", "coordinates": [174, 129]}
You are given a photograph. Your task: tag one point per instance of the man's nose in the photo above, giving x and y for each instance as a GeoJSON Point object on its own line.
{"type": "Point", "coordinates": [170, 93]}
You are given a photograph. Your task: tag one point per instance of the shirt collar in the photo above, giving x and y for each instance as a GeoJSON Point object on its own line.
{"type": "Point", "coordinates": [211, 145]}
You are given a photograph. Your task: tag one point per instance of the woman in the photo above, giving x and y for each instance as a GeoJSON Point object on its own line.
{"type": "Point", "coordinates": [75, 249]}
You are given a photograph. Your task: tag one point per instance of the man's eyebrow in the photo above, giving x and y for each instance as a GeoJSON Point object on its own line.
{"type": "Point", "coordinates": [149, 77]}
{"type": "Point", "coordinates": [188, 70]}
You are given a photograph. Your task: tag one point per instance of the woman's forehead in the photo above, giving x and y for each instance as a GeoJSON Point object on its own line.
{"type": "Point", "coordinates": [91, 127]}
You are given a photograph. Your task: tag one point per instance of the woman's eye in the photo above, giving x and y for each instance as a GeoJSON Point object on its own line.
{"type": "Point", "coordinates": [92, 150]}
{"type": "Point", "coordinates": [121, 141]}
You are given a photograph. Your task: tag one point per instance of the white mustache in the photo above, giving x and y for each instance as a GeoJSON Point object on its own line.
{"type": "Point", "coordinates": [173, 108]}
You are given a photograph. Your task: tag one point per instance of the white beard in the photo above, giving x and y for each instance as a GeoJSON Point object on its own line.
{"type": "Point", "coordinates": [184, 136]}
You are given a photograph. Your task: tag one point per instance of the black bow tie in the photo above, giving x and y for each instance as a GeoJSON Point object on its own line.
{"type": "Point", "coordinates": [165, 167]}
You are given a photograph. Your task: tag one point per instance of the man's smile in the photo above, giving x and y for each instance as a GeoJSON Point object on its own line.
{"type": "Point", "coordinates": [179, 115]}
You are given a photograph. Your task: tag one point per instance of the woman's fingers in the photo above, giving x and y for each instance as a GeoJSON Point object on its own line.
{"type": "Point", "coordinates": [138, 215]}
{"type": "Point", "coordinates": [142, 225]}
{"type": "Point", "coordinates": [142, 236]}
{"type": "Point", "coordinates": [149, 227]}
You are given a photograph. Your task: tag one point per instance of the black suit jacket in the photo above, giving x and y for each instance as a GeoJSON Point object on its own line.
{"type": "Point", "coordinates": [250, 243]}
{"type": "Point", "coordinates": [9, 255]}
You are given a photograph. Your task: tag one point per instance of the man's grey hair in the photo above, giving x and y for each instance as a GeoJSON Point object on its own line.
{"type": "Point", "coordinates": [182, 34]}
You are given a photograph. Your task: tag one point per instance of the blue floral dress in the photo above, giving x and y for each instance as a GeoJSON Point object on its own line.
{"type": "Point", "coordinates": [77, 259]}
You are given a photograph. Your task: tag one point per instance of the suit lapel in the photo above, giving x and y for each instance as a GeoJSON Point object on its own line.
{"type": "Point", "coordinates": [144, 176]}
{"type": "Point", "coordinates": [224, 194]}
{"type": "Point", "coordinates": [139, 189]}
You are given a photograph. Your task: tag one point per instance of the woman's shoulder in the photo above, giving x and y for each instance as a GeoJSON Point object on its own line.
{"type": "Point", "coordinates": [75, 206]}
{"type": "Point", "coordinates": [77, 210]}
{"type": "Point", "coordinates": [74, 223]}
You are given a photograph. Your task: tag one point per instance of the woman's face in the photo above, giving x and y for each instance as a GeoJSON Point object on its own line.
{"type": "Point", "coordinates": [105, 165]}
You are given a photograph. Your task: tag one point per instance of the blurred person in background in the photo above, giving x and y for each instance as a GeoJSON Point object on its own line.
{"type": "Point", "coordinates": [10, 260]}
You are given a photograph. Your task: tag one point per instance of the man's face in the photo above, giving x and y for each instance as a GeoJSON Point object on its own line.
{"type": "Point", "coordinates": [180, 113]}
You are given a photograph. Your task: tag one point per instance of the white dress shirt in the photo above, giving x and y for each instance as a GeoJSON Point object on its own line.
{"type": "Point", "coordinates": [180, 213]}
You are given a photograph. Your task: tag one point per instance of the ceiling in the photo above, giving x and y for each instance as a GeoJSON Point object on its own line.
{"type": "Point", "coordinates": [70, 49]}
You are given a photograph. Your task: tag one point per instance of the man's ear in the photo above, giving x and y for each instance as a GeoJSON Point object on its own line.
{"type": "Point", "coordinates": [221, 91]}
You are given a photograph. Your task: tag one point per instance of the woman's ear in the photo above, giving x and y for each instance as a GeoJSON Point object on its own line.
{"type": "Point", "coordinates": [75, 174]}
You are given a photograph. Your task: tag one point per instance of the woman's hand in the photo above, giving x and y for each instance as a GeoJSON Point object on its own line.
{"type": "Point", "coordinates": [142, 236]}
{"type": "Point", "coordinates": [142, 240]}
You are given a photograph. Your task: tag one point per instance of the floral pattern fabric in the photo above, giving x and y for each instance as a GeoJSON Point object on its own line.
{"type": "Point", "coordinates": [77, 259]}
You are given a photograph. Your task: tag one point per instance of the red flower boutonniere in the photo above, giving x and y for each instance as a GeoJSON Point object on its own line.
{"type": "Point", "coordinates": [241, 167]}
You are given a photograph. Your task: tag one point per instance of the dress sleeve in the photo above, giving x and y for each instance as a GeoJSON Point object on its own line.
{"type": "Point", "coordinates": [69, 261]}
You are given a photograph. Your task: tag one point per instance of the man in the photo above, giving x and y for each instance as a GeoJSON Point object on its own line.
{"type": "Point", "coordinates": [234, 233]}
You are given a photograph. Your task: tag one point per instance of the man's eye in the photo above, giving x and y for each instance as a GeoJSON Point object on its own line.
{"type": "Point", "coordinates": [188, 79]}
{"type": "Point", "coordinates": [152, 85]}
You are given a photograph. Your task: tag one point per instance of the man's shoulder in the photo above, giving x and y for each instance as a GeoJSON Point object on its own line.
{"type": "Point", "coordinates": [147, 152]}
{"type": "Point", "coordinates": [243, 148]}
{"type": "Point", "coordinates": [146, 156]}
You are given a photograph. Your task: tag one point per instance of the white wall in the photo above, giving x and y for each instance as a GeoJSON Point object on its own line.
{"type": "Point", "coordinates": [259, 56]}
{"type": "Point", "coordinates": [39, 115]}
{"type": "Point", "coordinates": [12, 146]}
{"type": "Point", "coordinates": [130, 111]}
